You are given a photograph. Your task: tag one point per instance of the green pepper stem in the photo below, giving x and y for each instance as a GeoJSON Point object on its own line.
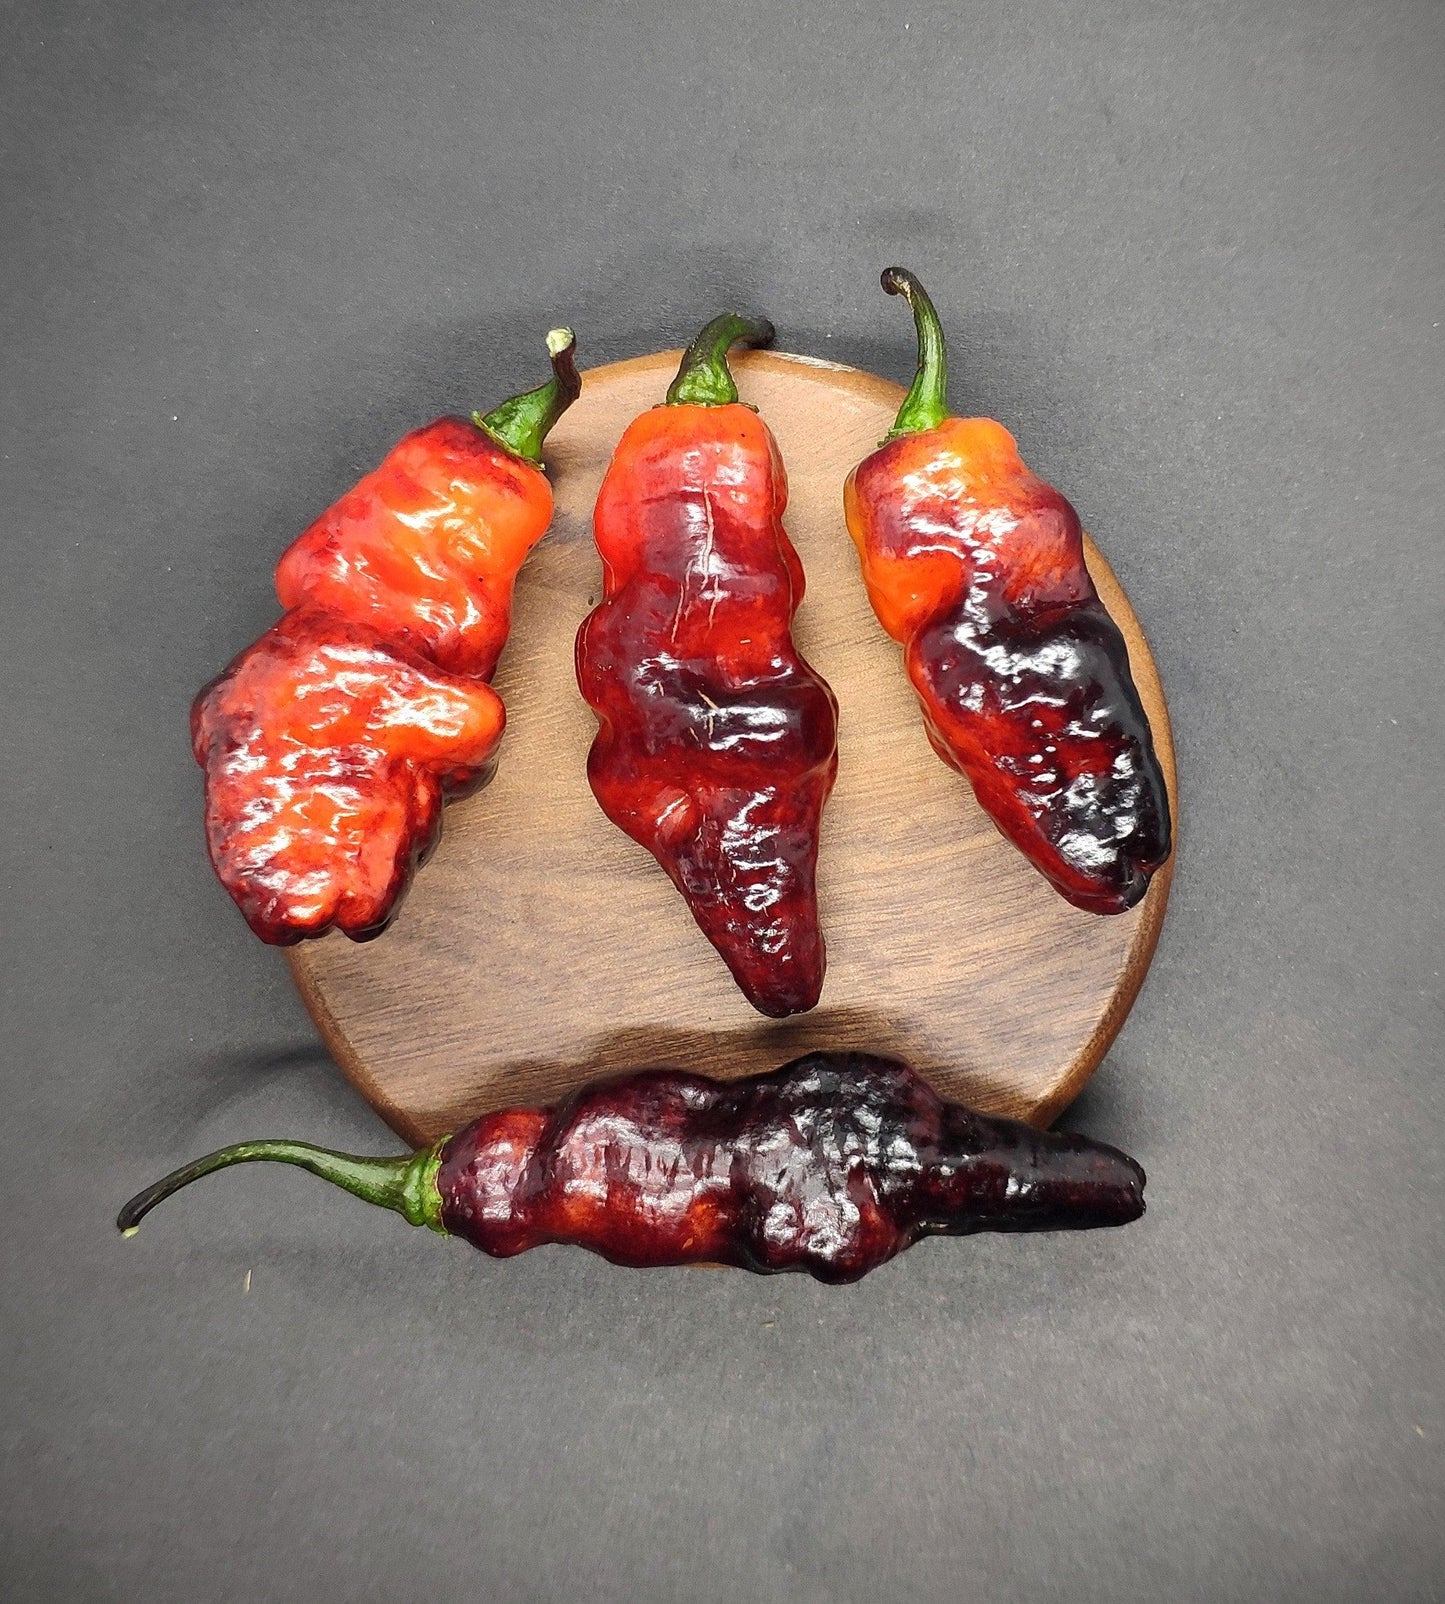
{"type": "Point", "coordinates": [926, 404]}
{"type": "Point", "coordinates": [521, 424]}
{"type": "Point", "coordinates": [406, 1183]}
{"type": "Point", "coordinates": [703, 378]}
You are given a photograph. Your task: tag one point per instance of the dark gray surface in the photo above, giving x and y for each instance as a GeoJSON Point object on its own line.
{"type": "Point", "coordinates": [1194, 256]}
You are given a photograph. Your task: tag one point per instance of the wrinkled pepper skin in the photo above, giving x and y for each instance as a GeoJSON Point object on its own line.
{"type": "Point", "coordinates": [426, 549]}
{"type": "Point", "coordinates": [717, 744]}
{"type": "Point", "coordinates": [328, 750]}
{"type": "Point", "coordinates": [330, 744]}
{"type": "Point", "coordinates": [977, 568]}
{"type": "Point", "coordinates": [831, 1166]}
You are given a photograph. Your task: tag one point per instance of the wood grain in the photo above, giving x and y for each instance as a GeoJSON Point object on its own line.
{"type": "Point", "coordinates": [541, 947]}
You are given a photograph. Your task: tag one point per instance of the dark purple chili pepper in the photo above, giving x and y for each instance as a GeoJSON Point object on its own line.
{"type": "Point", "coordinates": [831, 1164]}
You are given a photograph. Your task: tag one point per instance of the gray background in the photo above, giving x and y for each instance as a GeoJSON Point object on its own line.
{"type": "Point", "coordinates": [1193, 254]}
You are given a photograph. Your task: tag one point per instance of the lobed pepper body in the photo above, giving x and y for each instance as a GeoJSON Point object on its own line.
{"type": "Point", "coordinates": [330, 744]}
{"type": "Point", "coordinates": [426, 548]}
{"type": "Point", "coordinates": [717, 746]}
{"type": "Point", "coordinates": [830, 1165]}
{"type": "Point", "coordinates": [977, 568]}
{"type": "Point", "coordinates": [328, 750]}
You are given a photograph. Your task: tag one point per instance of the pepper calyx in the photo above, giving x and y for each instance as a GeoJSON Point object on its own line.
{"type": "Point", "coordinates": [521, 424]}
{"type": "Point", "coordinates": [422, 1203]}
{"type": "Point", "coordinates": [703, 377]}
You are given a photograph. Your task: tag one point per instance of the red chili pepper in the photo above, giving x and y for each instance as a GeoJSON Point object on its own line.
{"type": "Point", "coordinates": [330, 744]}
{"type": "Point", "coordinates": [831, 1165]}
{"type": "Point", "coordinates": [718, 744]}
{"type": "Point", "coordinates": [977, 567]}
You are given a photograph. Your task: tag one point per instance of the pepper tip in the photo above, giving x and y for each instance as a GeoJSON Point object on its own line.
{"type": "Point", "coordinates": [559, 340]}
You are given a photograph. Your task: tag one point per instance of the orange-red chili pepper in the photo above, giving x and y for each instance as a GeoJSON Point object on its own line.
{"type": "Point", "coordinates": [330, 744]}
{"type": "Point", "coordinates": [718, 744]}
{"type": "Point", "coordinates": [977, 567]}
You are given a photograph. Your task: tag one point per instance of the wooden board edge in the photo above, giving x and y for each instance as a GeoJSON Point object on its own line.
{"type": "Point", "coordinates": [336, 1042]}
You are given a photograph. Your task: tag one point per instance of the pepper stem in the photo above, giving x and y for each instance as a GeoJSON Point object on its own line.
{"type": "Point", "coordinates": [521, 424]}
{"type": "Point", "coordinates": [926, 404]}
{"type": "Point", "coordinates": [406, 1183]}
{"type": "Point", "coordinates": [704, 379]}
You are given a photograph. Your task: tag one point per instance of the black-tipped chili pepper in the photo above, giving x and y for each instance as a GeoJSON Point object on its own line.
{"type": "Point", "coordinates": [718, 744]}
{"type": "Point", "coordinates": [331, 743]}
{"type": "Point", "coordinates": [977, 568]}
{"type": "Point", "coordinates": [831, 1165]}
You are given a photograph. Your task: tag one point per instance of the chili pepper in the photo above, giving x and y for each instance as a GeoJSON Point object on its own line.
{"type": "Point", "coordinates": [832, 1164]}
{"type": "Point", "coordinates": [330, 744]}
{"type": "Point", "coordinates": [977, 568]}
{"type": "Point", "coordinates": [718, 744]}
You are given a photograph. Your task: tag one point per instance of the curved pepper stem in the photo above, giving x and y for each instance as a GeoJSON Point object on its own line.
{"type": "Point", "coordinates": [704, 379]}
{"type": "Point", "coordinates": [521, 424]}
{"type": "Point", "coordinates": [926, 404]}
{"type": "Point", "coordinates": [406, 1184]}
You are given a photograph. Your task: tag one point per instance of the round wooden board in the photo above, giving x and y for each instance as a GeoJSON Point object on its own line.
{"type": "Point", "coordinates": [541, 947]}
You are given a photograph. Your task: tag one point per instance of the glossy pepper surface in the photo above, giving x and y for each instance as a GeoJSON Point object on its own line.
{"type": "Point", "coordinates": [718, 744]}
{"type": "Point", "coordinates": [830, 1165]}
{"type": "Point", "coordinates": [331, 743]}
{"type": "Point", "coordinates": [977, 567]}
